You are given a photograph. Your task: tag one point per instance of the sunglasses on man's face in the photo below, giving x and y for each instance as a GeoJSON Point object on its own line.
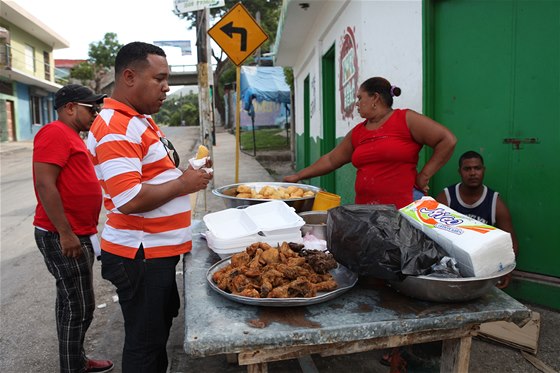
{"type": "Point", "coordinates": [94, 109]}
{"type": "Point", "coordinates": [171, 152]}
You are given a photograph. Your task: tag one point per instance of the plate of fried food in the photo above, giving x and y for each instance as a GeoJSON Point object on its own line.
{"type": "Point", "coordinates": [283, 276]}
{"type": "Point", "coordinates": [298, 196]}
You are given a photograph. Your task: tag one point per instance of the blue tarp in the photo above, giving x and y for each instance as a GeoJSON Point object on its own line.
{"type": "Point", "coordinates": [265, 82]}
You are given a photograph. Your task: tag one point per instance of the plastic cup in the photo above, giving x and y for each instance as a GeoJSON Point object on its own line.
{"type": "Point", "coordinates": [325, 200]}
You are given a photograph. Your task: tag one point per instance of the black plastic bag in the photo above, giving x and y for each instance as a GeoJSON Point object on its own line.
{"type": "Point", "coordinates": [375, 240]}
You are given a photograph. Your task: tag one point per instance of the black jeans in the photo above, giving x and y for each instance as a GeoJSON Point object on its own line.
{"type": "Point", "coordinates": [75, 301]}
{"type": "Point", "coordinates": [149, 301]}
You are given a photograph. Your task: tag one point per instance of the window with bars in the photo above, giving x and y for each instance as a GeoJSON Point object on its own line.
{"type": "Point", "coordinates": [47, 65]}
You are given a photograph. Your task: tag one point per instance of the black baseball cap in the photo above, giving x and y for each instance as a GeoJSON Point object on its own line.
{"type": "Point", "coordinates": [76, 93]}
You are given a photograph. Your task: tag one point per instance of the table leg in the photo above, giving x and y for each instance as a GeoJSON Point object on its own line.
{"type": "Point", "coordinates": [455, 355]}
{"type": "Point", "coordinates": [257, 368]}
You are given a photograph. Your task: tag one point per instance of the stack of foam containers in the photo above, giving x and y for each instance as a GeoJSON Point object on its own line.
{"type": "Point", "coordinates": [230, 231]}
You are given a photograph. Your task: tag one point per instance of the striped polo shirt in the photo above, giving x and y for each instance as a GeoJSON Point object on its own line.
{"type": "Point", "coordinates": [126, 151]}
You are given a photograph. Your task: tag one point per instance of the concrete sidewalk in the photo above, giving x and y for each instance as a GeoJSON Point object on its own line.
{"type": "Point", "coordinates": [224, 159]}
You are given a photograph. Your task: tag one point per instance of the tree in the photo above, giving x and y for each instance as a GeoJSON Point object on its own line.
{"type": "Point", "coordinates": [269, 16]}
{"type": "Point", "coordinates": [101, 59]}
{"type": "Point", "coordinates": [179, 109]}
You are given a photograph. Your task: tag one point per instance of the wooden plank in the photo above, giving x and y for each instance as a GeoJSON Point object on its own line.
{"type": "Point", "coordinates": [455, 355]}
{"type": "Point", "coordinates": [231, 358]}
{"type": "Point", "coordinates": [508, 333]}
{"type": "Point", "coordinates": [307, 365]}
{"type": "Point", "coordinates": [537, 363]}
{"type": "Point", "coordinates": [343, 348]}
{"type": "Point", "coordinates": [257, 368]}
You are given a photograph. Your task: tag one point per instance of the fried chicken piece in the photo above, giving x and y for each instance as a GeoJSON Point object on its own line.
{"type": "Point", "coordinates": [255, 262]}
{"type": "Point", "coordinates": [286, 251]}
{"type": "Point", "coordinates": [240, 259]}
{"type": "Point", "coordinates": [270, 255]}
{"type": "Point", "coordinates": [266, 287]}
{"type": "Point", "coordinates": [216, 276]}
{"type": "Point", "coordinates": [295, 261]}
{"type": "Point", "coordinates": [239, 283]}
{"type": "Point", "coordinates": [252, 272]}
{"type": "Point", "coordinates": [296, 246]}
{"type": "Point", "coordinates": [320, 261]}
{"type": "Point", "coordinates": [300, 288]}
{"type": "Point", "coordinates": [224, 281]}
{"type": "Point", "coordinates": [252, 249]}
{"type": "Point", "coordinates": [325, 285]}
{"type": "Point", "coordinates": [265, 246]}
{"type": "Point", "coordinates": [273, 276]}
{"type": "Point", "coordinates": [252, 293]}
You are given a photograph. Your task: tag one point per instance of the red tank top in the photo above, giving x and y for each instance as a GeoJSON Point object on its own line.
{"type": "Point", "coordinates": [386, 160]}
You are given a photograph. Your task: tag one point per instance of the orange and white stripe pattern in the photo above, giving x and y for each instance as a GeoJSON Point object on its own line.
{"type": "Point", "coordinates": [126, 151]}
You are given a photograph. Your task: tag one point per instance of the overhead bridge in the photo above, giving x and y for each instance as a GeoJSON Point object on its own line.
{"type": "Point", "coordinates": [183, 75]}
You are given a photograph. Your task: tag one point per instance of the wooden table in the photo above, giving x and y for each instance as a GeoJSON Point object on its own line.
{"type": "Point", "coordinates": [369, 316]}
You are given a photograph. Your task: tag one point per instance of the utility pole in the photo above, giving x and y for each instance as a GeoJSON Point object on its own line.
{"type": "Point", "coordinates": [205, 76]}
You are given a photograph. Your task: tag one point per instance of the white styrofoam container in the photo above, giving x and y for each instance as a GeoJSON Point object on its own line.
{"type": "Point", "coordinates": [226, 248]}
{"type": "Point", "coordinates": [266, 217]}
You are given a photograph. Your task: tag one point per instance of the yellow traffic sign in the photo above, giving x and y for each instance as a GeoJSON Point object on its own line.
{"type": "Point", "coordinates": [238, 34]}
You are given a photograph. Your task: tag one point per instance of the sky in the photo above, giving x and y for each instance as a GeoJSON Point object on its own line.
{"type": "Point", "coordinates": [81, 23]}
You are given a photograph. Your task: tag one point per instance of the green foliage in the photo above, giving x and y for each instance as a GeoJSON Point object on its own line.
{"type": "Point", "coordinates": [103, 53]}
{"type": "Point", "coordinates": [289, 77]}
{"type": "Point", "coordinates": [101, 58]}
{"type": "Point", "coordinates": [83, 72]}
{"type": "Point", "coordinates": [179, 108]}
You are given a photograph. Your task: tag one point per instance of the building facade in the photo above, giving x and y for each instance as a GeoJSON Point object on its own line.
{"type": "Point", "coordinates": [27, 72]}
{"type": "Point", "coordinates": [479, 68]}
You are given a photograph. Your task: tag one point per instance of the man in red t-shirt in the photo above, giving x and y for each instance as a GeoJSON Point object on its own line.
{"type": "Point", "coordinates": [68, 205]}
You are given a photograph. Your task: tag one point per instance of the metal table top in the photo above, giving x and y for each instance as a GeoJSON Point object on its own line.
{"type": "Point", "coordinates": [217, 325]}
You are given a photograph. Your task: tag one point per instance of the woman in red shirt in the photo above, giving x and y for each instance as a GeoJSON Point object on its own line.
{"type": "Point", "coordinates": [384, 148]}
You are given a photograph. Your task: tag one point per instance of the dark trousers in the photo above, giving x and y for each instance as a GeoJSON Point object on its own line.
{"type": "Point", "coordinates": [149, 301]}
{"type": "Point", "coordinates": [75, 301]}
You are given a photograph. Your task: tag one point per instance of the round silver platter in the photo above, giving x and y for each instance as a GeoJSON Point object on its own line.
{"type": "Point", "coordinates": [437, 289]}
{"type": "Point", "coordinates": [344, 278]}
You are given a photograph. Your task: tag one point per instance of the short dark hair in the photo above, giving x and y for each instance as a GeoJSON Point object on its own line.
{"type": "Point", "coordinates": [133, 53]}
{"type": "Point", "coordinates": [468, 155]}
{"type": "Point", "coordinates": [383, 87]}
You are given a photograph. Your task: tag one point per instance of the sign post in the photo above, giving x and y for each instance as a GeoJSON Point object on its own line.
{"type": "Point", "coordinates": [239, 35]}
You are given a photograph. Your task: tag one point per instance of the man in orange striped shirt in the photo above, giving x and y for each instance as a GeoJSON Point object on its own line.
{"type": "Point", "coordinates": [147, 203]}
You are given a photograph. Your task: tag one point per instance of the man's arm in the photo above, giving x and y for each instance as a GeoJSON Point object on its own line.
{"type": "Point", "coordinates": [442, 198]}
{"type": "Point", "coordinates": [46, 175]}
{"type": "Point", "coordinates": [503, 221]}
{"type": "Point", "coordinates": [151, 197]}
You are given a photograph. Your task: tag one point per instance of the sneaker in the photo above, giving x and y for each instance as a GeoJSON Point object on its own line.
{"type": "Point", "coordinates": [99, 366]}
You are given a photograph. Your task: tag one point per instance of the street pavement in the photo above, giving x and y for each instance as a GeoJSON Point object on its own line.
{"type": "Point", "coordinates": [27, 327]}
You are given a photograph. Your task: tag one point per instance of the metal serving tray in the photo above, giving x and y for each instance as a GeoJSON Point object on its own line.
{"type": "Point", "coordinates": [342, 275]}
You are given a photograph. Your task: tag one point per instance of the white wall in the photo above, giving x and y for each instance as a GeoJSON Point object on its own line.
{"type": "Point", "coordinates": [388, 36]}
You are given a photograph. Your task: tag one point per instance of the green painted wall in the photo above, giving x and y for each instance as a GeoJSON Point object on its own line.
{"type": "Point", "coordinates": [498, 81]}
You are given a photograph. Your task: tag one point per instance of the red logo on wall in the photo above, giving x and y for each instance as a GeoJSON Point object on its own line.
{"type": "Point", "coordinates": [348, 75]}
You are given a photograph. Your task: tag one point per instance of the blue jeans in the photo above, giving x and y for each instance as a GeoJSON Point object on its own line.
{"type": "Point", "coordinates": [149, 301]}
{"type": "Point", "coordinates": [75, 301]}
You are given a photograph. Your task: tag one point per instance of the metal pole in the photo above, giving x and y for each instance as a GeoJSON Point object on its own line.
{"type": "Point", "coordinates": [237, 119]}
{"type": "Point", "coordinates": [254, 139]}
